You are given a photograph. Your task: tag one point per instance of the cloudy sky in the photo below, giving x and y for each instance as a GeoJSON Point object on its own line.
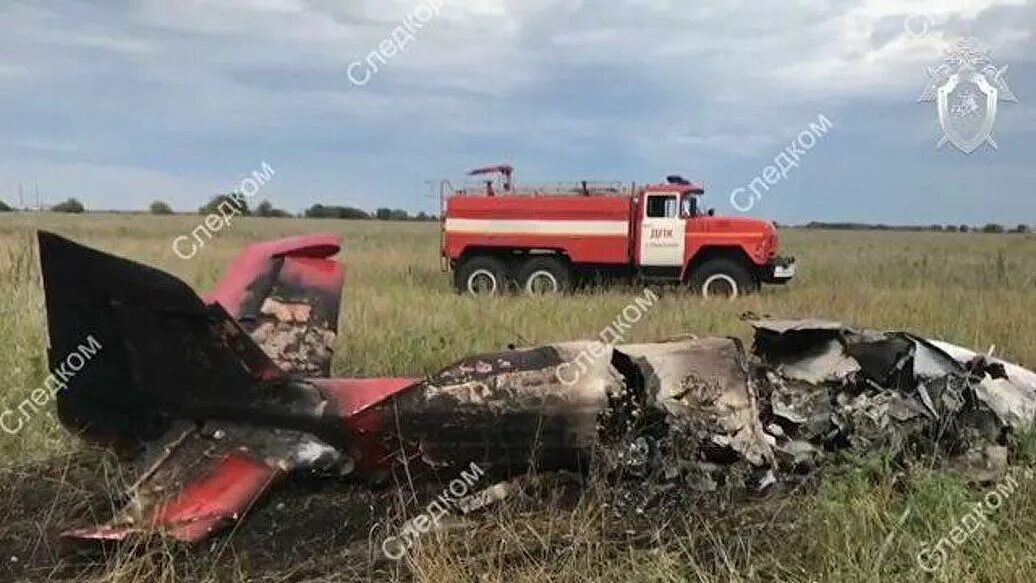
{"type": "Point", "coordinates": [121, 102]}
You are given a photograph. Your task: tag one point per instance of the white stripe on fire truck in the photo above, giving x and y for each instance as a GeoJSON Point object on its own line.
{"type": "Point", "coordinates": [540, 227]}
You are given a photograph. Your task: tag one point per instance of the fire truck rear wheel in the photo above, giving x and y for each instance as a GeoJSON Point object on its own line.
{"type": "Point", "coordinates": [482, 276]}
{"type": "Point", "coordinates": [545, 276]}
{"type": "Point", "coordinates": [723, 278]}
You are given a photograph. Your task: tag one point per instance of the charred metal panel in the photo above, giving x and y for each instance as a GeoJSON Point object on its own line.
{"type": "Point", "coordinates": [297, 322]}
{"type": "Point", "coordinates": [165, 353]}
{"type": "Point", "coordinates": [509, 412]}
{"type": "Point", "coordinates": [931, 361]}
{"type": "Point", "coordinates": [801, 409]}
{"type": "Point", "coordinates": [703, 387]}
{"type": "Point", "coordinates": [1006, 388]}
{"type": "Point", "coordinates": [885, 359]}
{"type": "Point", "coordinates": [89, 292]}
{"type": "Point", "coordinates": [251, 276]}
{"type": "Point", "coordinates": [287, 295]}
{"type": "Point", "coordinates": [903, 392]}
{"type": "Point", "coordinates": [197, 481]}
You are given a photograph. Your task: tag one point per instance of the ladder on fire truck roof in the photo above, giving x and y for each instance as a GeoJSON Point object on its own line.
{"type": "Point", "coordinates": [583, 188]}
{"type": "Point", "coordinates": [502, 184]}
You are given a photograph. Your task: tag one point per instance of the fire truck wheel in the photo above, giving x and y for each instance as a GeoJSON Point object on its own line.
{"type": "Point", "coordinates": [722, 278]}
{"type": "Point", "coordinates": [482, 276]}
{"type": "Point", "coordinates": [544, 276]}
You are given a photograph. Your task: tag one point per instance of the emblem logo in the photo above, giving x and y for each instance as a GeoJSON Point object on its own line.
{"type": "Point", "coordinates": [967, 88]}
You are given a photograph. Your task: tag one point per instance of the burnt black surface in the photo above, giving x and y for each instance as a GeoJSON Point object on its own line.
{"type": "Point", "coordinates": [776, 347]}
{"type": "Point", "coordinates": [163, 353]}
{"type": "Point", "coordinates": [89, 293]}
{"type": "Point", "coordinates": [440, 427]}
{"type": "Point", "coordinates": [257, 291]}
{"type": "Point", "coordinates": [324, 305]}
{"type": "Point", "coordinates": [887, 361]}
{"type": "Point", "coordinates": [273, 283]}
{"type": "Point", "coordinates": [483, 366]}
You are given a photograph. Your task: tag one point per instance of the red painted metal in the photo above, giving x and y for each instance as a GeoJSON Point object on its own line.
{"type": "Point", "coordinates": [321, 274]}
{"type": "Point", "coordinates": [353, 396]}
{"type": "Point", "coordinates": [354, 401]}
{"type": "Point", "coordinates": [580, 247]}
{"type": "Point", "coordinates": [256, 261]}
{"type": "Point", "coordinates": [594, 208]}
{"type": "Point", "coordinates": [600, 250]}
{"type": "Point", "coordinates": [217, 499]}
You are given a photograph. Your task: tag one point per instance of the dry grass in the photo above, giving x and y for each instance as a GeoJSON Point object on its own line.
{"type": "Point", "coordinates": [402, 318]}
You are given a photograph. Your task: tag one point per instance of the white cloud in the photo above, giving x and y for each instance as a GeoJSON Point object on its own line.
{"type": "Point", "coordinates": [724, 51]}
{"type": "Point", "coordinates": [850, 58]}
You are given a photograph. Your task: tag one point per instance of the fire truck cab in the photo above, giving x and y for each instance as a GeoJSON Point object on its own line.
{"type": "Point", "coordinates": [546, 239]}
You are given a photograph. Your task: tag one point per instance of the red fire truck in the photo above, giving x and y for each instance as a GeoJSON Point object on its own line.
{"type": "Point", "coordinates": [542, 239]}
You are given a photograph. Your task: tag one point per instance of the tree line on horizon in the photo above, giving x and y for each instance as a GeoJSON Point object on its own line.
{"type": "Point", "coordinates": [963, 228]}
{"type": "Point", "coordinates": [266, 209]}
{"type": "Point", "coordinates": [316, 211]}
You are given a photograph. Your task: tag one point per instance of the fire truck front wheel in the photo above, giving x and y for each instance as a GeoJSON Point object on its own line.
{"type": "Point", "coordinates": [482, 276]}
{"type": "Point", "coordinates": [544, 276]}
{"type": "Point", "coordinates": [723, 278]}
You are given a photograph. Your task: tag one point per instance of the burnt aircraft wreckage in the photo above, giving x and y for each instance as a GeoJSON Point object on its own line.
{"type": "Point", "coordinates": [217, 399]}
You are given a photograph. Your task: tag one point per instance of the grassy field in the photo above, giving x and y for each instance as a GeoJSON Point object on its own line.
{"type": "Point", "coordinates": [401, 317]}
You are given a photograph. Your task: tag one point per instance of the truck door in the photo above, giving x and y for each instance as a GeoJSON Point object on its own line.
{"type": "Point", "coordinates": [662, 231]}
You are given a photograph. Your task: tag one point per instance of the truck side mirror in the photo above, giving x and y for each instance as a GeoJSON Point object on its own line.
{"type": "Point", "coordinates": [712, 212]}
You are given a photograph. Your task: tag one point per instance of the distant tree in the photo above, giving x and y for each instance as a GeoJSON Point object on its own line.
{"type": "Point", "coordinates": [936, 228]}
{"type": "Point", "coordinates": [4, 208]}
{"type": "Point", "coordinates": [266, 209]}
{"type": "Point", "coordinates": [964, 228]}
{"type": "Point", "coordinates": [1021, 229]}
{"type": "Point", "coordinates": [386, 214]}
{"type": "Point", "coordinates": [213, 205]}
{"type": "Point", "coordinates": [951, 228]}
{"type": "Point", "coordinates": [69, 206]}
{"type": "Point", "coordinates": [319, 211]}
{"type": "Point", "coordinates": [993, 228]}
{"type": "Point", "coordinates": [160, 208]}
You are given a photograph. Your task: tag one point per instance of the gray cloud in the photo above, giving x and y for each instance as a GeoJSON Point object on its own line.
{"type": "Point", "coordinates": [171, 94]}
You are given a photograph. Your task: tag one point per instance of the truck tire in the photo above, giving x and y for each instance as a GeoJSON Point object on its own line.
{"type": "Point", "coordinates": [544, 276]}
{"type": "Point", "coordinates": [482, 276]}
{"type": "Point", "coordinates": [723, 278]}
